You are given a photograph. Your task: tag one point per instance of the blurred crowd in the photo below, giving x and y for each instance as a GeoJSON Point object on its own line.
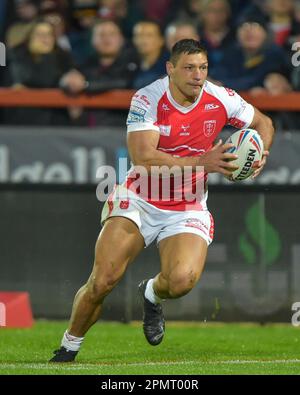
{"type": "Point", "coordinates": [93, 46]}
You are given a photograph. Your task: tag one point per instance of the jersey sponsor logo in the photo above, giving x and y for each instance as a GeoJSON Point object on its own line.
{"type": "Point", "coordinates": [237, 123]}
{"type": "Point", "coordinates": [142, 98]}
{"type": "Point", "coordinates": [135, 118]}
{"type": "Point", "coordinates": [165, 130]}
{"type": "Point", "coordinates": [136, 115]}
{"type": "Point", "coordinates": [209, 127]}
{"type": "Point", "coordinates": [230, 92]}
{"type": "Point", "coordinates": [184, 130]}
{"type": "Point", "coordinates": [211, 107]}
{"type": "Point", "coordinates": [137, 110]}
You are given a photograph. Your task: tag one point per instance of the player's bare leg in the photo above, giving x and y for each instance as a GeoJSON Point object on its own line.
{"type": "Point", "coordinates": [118, 244]}
{"type": "Point", "coordinates": [182, 261]}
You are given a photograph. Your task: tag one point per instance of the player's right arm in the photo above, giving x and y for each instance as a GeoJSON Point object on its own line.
{"type": "Point", "coordinates": [142, 146]}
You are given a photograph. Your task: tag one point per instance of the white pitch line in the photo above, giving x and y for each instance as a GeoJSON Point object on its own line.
{"type": "Point", "coordinates": [80, 366]}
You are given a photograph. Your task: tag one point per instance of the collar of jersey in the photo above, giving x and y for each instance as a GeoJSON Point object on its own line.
{"type": "Point", "coordinates": [183, 109]}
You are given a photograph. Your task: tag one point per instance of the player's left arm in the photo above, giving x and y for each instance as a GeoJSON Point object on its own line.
{"type": "Point", "coordinates": [264, 126]}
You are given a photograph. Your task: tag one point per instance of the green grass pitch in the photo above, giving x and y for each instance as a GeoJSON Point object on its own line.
{"type": "Point", "coordinates": [188, 348]}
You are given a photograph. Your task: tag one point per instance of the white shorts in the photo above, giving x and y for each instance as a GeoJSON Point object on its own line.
{"type": "Point", "coordinates": [153, 222]}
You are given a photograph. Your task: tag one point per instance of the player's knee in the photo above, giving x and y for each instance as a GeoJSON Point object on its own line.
{"type": "Point", "coordinates": [99, 288]}
{"type": "Point", "coordinates": [181, 285]}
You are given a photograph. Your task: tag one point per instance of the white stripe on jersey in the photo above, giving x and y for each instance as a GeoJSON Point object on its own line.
{"type": "Point", "coordinates": [181, 146]}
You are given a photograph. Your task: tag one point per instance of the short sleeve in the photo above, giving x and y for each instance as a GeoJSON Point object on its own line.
{"type": "Point", "coordinates": [143, 112]}
{"type": "Point", "coordinates": [240, 113]}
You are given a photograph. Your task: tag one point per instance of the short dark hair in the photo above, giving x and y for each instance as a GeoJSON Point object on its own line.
{"type": "Point", "coordinates": [188, 46]}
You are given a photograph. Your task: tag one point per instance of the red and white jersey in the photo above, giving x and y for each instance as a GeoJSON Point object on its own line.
{"type": "Point", "coordinates": [184, 131]}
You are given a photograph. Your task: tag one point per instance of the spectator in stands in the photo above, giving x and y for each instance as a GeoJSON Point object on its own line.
{"type": "Point", "coordinates": [58, 22]}
{"type": "Point", "coordinates": [125, 13]}
{"type": "Point", "coordinates": [247, 63]}
{"type": "Point", "coordinates": [26, 12]}
{"type": "Point", "coordinates": [189, 11]}
{"type": "Point", "coordinates": [215, 32]}
{"type": "Point", "coordinates": [178, 31]}
{"type": "Point", "coordinates": [280, 17]}
{"type": "Point", "coordinates": [82, 18]}
{"type": "Point", "coordinates": [49, 6]}
{"type": "Point", "coordinates": [297, 11]}
{"type": "Point", "coordinates": [282, 21]}
{"type": "Point", "coordinates": [149, 42]}
{"type": "Point", "coordinates": [276, 84]}
{"type": "Point", "coordinates": [39, 63]}
{"type": "Point", "coordinates": [113, 66]}
{"type": "Point", "coordinates": [112, 9]}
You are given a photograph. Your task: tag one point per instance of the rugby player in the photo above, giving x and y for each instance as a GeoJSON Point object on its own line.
{"type": "Point", "coordinates": [175, 121]}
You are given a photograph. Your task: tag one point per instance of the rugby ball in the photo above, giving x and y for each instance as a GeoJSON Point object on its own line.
{"type": "Point", "coordinates": [249, 147]}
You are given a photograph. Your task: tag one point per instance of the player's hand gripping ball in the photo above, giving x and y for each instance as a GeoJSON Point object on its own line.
{"type": "Point", "coordinates": [249, 147]}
